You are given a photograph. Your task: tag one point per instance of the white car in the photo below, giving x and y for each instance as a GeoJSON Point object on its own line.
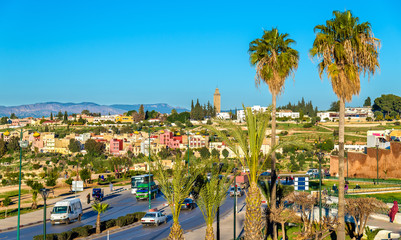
{"type": "Point", "coordinates": [312, 172]}
{"type": "Point", "coordinates": [154, 218]}
{"type": "Point", "coordinates": [239, 192]}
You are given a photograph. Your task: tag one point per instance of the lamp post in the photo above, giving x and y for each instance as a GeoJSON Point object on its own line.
{"type": "Point", "coordinates": [377, 160]}
{"type": "Point", "coordinates": [235, 202]}
{"type": "Point", "coordinates": [44, 192]}
{"type": "Point", "coordinates": [218, 208]}
{"type": "Point", "coordinates": [320, 156]}
{"type": "Point", "coordinates": [149, 192]}
{"type": "Point", "coordinates": [22, 144]}
{"type": "Point", "coordinates": [188, 149]}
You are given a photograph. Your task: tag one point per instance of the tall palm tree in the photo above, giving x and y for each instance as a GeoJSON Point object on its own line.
{"type": "Point", "coordinates": [345, 49]}
{"type": "Point", "coordinates": [99, 208]}
{"type": "Point", "coordinates": [211, 197]}
{"type": "Point", "coordinates": [275, 61]}
{"type": "Point", "coordinates": [247, 145]}
{"type": "Point", "coordinates": [175, 190]}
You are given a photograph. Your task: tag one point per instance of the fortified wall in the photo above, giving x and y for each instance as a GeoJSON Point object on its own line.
{"type": "Point", "coordinates": [362, 165]}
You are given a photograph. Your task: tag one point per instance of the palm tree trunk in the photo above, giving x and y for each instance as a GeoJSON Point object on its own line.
{"type": "Point", "coordinates": [98, 224]}
{"type": "Point", "coordinates": [253, 215]}
{"type": "Point", "coordinates": [341, 200]}
{"type": "Point", "coordinates": [209, 232]}
{"type": "Point", "coordinates": [283, 229]}
{"type": "Point", "coordinates": [273, 171]}
{"type": "Point", "coordinates": [176, 232]}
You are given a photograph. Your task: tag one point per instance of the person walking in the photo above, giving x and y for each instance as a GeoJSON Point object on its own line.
{"type": "Point", "coordinates": [393, 211]}
{"type": "Point", "coordinates": [88, 198]}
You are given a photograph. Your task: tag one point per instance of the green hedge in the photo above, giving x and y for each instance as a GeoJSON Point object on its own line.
{"type": "Point", "coordinates": [87, 230]}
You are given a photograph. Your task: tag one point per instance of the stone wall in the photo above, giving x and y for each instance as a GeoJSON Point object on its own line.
{"type": "Point", "coordinates": [362, 165]}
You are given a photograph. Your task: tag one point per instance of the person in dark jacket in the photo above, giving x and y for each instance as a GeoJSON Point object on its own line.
{"type": "Point", "coordinates": [88, 198]}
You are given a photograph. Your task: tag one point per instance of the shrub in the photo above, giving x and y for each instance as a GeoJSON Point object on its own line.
{"type": "Point", "coordinates": [307, 125]}
{"type": "Point", "coordinates": [107, 224]}
{"type": "Point", "coordinates": [65, 235]}
{"type": "Point", "coordinates": [397, 123]}
{"type": "Point", "coordinates": [83, 231]}
{"type": "Point", "coordinates": [51, 236]}
{"type": "Point", "coordinates": [36, 166]}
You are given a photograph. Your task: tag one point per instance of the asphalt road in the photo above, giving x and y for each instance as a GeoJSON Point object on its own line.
{"type": "Point", "coordinates": [189, 219]}
{"type": "Point", "coordinates": [120, 205]}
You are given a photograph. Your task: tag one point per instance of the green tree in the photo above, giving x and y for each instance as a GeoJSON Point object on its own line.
{"type": "Point", "coordinates": [52, 176]}
{"type": "Point", "coordinates": [65, 117]}
{"type": "Point", "coordinates": [4, 120]}
{"type": "Point", "coordinates": [275, 61]}
{"type": "Point", "coordinates": [379, 116]}
{"type": "Point", "coordinates": [74, 146]}
{"type": "Point", "coordinates": [367, 102]}
{"type": "Point", "coordinates": [51, 116]}
{"type": "Point", "coordinates": [13, 144]}
{"type": "Point", "coordinates": [35, 186]}
{"type": "Point", "coordinates": [99, 208]}
{"type": "Point", "coordinates": [346, 48]}
{"type": "Point", "coordinates": [164, 153]}
{"type": "Point", "coordinates": [94, 148]}
{"type": "Point", "coordinates": [335, 106]}
{"type": "Point", "coordinates": [225, 153]}
{"type": "Point", "coordinates": [387, 103]}
{"type": "Point", "coordinates": [13, 116]}
{"type": "Point", "coordinates": [204, 152]}
{"type": "Point", "coordinates": [3, 147]}
{"type": "Point", "coordinates": [215, 154]}
{"type": "Point", "coordinates": [141, 112]}
{"type": "Point", "coordinates": [60, 115]}
{"type": "Point", "coordinates": [6, 202]}
{"type": "Point", "coordinates": [85, 175]}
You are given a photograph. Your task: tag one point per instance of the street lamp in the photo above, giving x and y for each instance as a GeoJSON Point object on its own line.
{"type": "Point", "coordinates": [235, 202]}
{"type": "Point", "coordinates": [149, 192]}
{"type": "Point", "coordinates": [22, 144]}
{"type": "Point", "coordinates": [320, 156]}
{"type": "Point", "coordinates": [44, 192]}
{"type": "Point", "coordinates": [188, 149]}
{"type": "Point", "coordinates": [377, 160]}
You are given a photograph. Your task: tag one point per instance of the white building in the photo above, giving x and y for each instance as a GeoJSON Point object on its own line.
{"type": "Point", "coordinates": [223, 115]}
{"type": "Point", "coordinates": [287, 114]}
{"type": "Point", "coordinates": [241, 113]}
{"type": "Point", "coordinates": [350, 113]}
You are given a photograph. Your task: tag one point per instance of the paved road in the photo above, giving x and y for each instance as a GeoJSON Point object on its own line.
{"type": "Point", "coordinates": [120, 204]}
{"type": "Point", "coordinates": [188, 220]}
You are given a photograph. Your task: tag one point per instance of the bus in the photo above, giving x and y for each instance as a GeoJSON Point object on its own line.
{"type": "Point", "coordinates": [138, 180]}
{"type": "Point", "coordinates": [143, 191]}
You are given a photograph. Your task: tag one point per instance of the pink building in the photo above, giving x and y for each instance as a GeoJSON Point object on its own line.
{"type": "Point", "coordinates": [116, 145]}
{"type": "Point", "coordinates": [167, 138]}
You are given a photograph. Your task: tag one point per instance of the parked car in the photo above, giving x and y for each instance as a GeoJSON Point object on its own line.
{"type": "Point", "coordinates": [188, 203]}
{"type": "Point", "coordinates": [154, 217]}
{"type": "Point", "coordinates": [66, 211]}
{"type": "Point", "coordinates": [312, 171]}
{"type": "Point", "coordinates": [239, 192]}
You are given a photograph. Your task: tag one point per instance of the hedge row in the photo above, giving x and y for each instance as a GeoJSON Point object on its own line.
{"type": "Point", "coordinates": [87, 230]}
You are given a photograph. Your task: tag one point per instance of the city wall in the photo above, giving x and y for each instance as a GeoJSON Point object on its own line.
{"type": "Point", "coordinates": [362, 165]}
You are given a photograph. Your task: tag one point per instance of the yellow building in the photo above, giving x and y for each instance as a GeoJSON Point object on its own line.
{"type": "Point", "coordinates": [125, 119]}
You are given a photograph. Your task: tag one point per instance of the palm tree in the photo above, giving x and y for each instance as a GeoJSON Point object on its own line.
{"type": "Point", "coordinates": [275, 60]}
{"type": "Point", "coordinates": [247, 146]}
{"type": "Point", "coordinates": [175, 190]}
{"type": "Point", "coordinates": [345, 49]}
{"type": "Point", "coordinates": [211, 197]}
{"type": "Point", "coordinates": [99, 208]}
{"type": "Point", "coordinates": [35, 186]}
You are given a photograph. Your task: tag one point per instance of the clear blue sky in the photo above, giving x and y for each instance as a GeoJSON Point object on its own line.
{"type": "Point", "coordinates": [171, 52]}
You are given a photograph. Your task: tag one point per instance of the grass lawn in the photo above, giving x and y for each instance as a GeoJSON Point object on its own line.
{"type": "Point", "coordinates": [385, 197]}
{"type": "Point", "coordinates": [13, 193]}
{"type": "Point", "coordinates": [14, 211]}
{"type": "Point", "coordinates": [314, 184]}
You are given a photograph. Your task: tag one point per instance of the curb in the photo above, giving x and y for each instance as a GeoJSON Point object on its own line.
{"type": "Point", "coordinates": [48, 219]}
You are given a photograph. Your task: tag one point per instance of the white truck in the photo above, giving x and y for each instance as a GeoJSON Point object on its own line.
{"type": "Point", "coordinates": [66, 211]}
{"type": "Point", "coordinates": [154, 217]}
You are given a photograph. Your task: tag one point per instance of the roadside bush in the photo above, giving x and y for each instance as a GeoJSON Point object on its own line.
{"type": "Point", "coordinates": [107, 224]}
{"type": "Point", "coordinates": [307, 125]}
{"type": "Point", "coordinates": [397, 123]}
{"type": "Point", "coordinates": [65, 235]}
{"type": "Point", "coordinates": [51, 236]}
{"type": "Point", "coordinates": [129, 219]}
{"type": "Point", "coordinates": [83, 231]}
{"type": "Point", "coordinates": [36, 166]}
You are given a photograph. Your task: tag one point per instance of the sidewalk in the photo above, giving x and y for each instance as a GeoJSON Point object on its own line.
{"type": "Point", "coordinates": [226, 227]}
{"type": "Point", "coordinates": [35, 217]}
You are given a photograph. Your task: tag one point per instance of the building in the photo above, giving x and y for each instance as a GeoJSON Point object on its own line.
{"type": "Point", "coordinates": [167, 138]}
{"type": "Point", "coordinates": [217, 100]}
{"type": "Point", "coordinates": [116, 145]}
{"type": "Point", "coordinates": [241, 113]}
{"type": "Point", "coordinates": [124, 119]}
{"type": "Point", "coordinates": [357, 113]}
{"type": "Point", "coordinates": [223, 115]}
{"type": "Point", "coordinates": [198, 141]}
{"type": "Point", "coordinates": [287, 114]}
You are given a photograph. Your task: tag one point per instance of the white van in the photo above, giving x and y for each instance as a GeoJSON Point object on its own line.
{"type": "Point", "coordinates": [66, 211]}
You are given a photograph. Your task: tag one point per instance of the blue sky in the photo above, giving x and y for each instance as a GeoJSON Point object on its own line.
{"type": "Point", "coordinates": [132, 52]}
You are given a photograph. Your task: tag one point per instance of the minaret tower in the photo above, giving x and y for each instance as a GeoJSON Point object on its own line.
{"type": "Point", "coordinates": [216, 100]}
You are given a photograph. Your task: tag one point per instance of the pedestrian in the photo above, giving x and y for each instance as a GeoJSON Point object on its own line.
{"type": "Point", "coordinates": [88, 198]}
{"type": "Point", "coordinates": [346, 188]}
{"type": "Point", "coordinates": [393, 211]}
{"type": "Point", "coordinates": [111, 187]}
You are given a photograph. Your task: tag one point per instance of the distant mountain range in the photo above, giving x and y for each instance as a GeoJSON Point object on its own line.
{"type": "Point", "coordinates": [44, 109]}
